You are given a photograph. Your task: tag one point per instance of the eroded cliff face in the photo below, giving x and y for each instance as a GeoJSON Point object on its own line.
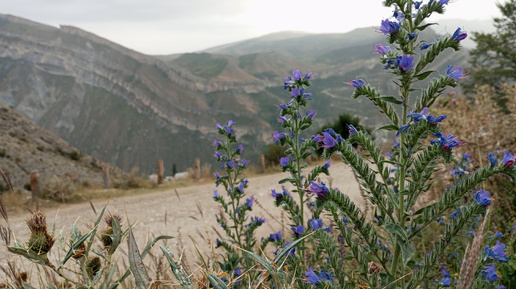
{"type": "Point", "coordinates": [117, 104]}
{"type": "Point", "coordinates": [25, 147]}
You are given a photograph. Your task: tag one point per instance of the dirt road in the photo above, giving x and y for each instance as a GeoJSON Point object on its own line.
{"type": "Point", "coordinates": [190, 212]}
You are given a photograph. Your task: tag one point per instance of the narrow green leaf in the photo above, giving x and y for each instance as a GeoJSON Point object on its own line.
{"type": "Point", "coordinates": [151, 244]}
{"type": "Point", "coordinates": [422, 27]}
{"type": "Point", "coordinates": [75, 246]}
{"type": "Point", "coordinates": [389, 127]}
{"type": "Point", "coordinates": [117, 236]}
{"type": "Point", "coordinates": [177, 270]}
{"type": "Point", "coordinates": [216, 282]}
{"type": "Point", "coordinates": [141, 277]}
{"type": "Point", "coordinates": [391, 99]}
{"type": "Point", "coordinates": [423, 75]}
{"type": "Point", "coordinates": [286, 180]}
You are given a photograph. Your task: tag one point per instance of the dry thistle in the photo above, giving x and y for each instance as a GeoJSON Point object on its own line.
{"type": "Point", "coordinates": [40, 241]}
{"type": "Point", "coordinates": [109, 219]}
{"type": "Point", "coordinates": [93, 267]}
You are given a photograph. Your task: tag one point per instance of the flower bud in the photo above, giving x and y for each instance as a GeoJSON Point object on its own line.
{"type": "Point", "coordinates": [40, 241]}
{"type": "Point", "coordinates": [374, 268]}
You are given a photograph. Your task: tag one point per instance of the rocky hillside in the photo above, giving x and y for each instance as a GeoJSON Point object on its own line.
{"type": "Point", "coordinates": [131, 109]}
{"type": "Point", "coordinates": [25, 147]}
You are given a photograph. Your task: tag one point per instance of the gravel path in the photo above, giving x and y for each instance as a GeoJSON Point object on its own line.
{"type": "Point", "coordinates": [189, 212]}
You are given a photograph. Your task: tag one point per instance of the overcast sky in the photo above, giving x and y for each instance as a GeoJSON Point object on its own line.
{"type": "Point", "coordinates": [177, 26]}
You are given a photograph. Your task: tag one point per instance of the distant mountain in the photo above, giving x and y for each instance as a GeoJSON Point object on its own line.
{"type": "Point", "coordinates": [130, 109]}
{"type": "Point", "coordinates": [25, 147]}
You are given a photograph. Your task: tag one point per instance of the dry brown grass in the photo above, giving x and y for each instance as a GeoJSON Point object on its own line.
{"type": "Point", "coordinates": [485, 128]}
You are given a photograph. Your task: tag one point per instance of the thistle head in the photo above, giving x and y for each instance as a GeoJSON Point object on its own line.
{"type": "Point", "coordinates": [40, 241]}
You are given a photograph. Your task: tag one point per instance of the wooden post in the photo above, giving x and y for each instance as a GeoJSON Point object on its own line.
{"type": "Point", "coordinates": [34, 187]}
{"type": "Point", "coordinates": [197, 168]}
{"type": "Point", "coordinates": [262, 163]}
{"type": "Point", "coordinates": [160, 172]}
{"type": "Point", "coordinates": [105, 176]}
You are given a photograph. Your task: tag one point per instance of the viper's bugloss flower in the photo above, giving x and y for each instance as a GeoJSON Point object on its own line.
{"type": "Point", "coordinates": [244, 162]}
{"type": "Point", "coordinates": [411, 36]}
{"type": "Point", "coordinates": [388, 27]}
{"type": "Point", "coordinates": [446, 142]}
{"type": "Point", "coordinates": [417, 4]}
{"type": "Point", "coordinates": [508, 160]}
{"type": "Point", "coordinates": [492, 159]}
{"type": "Point", "coordinates": [407, 62]}
{"type": "Point", "coordinates": [278, 136]}
{"type": "Point", "coordinates": [328, 141]}
{"type": "Point", "coordinates": [218, 126]}
{"type": "Point", "coordinates": [215, 143]}
{"type": "Point", "coordinates": [257, 220]}
{"type": "Point", "coordinates": [454, 73]}
{"type": "Point", "coordinates": [352, 130]}
{"type": "Point", "coordinates": [217, 175]}
{"type": "Point", "coordinates": [490, 273]}
{"type": "Point", "coordinates": [423, 115]}
{"type": "Point", "coordinates": [380, 49]}
{"type": "Point", "coordinates": [498, 234]}
{"type": "Point", "coordinates": [284, 161]}
{"type": "Point", "coordinates": [289, 82]}
{"type": "Point", "coordinates": [283, 106]}
{"type": "Point", "coordinates": [458, 35]}
{"type": "Point", "coordinates": [497, 252]}
{"type": "Point", "coordinates": [298, 230]}
{"type": "Point", "coordinates": [230, 123]}
{"type": "Point", "coordinates": [240, 148]}
{"type": "Point", "coordinates": [320, 190]}
{"type": "Point", "coordinates": [398, 15]}
{"type": "Point", "coordinates": [311, 113]}
{"type": "Point", "coordinates": [404, 128]}
{"type": "Point", "coordinates": [356, 83]}
{"type": "Point", "coordinates": [316, 223]}
{"type": "Point", "coordinates": [326, 165]}
{"type": "Point", "coordinates": [311, 277]}
{"type": "Point", "coordinates": [215, 194]}
{"type": "Point", "coordinates": [296, 74]}
{"type": "Point", "coordinates": [249, 202]}
{"type": "Point", "coordinates": [284, 193]}
{"type": "Point", "coordinates": [230, 164]}
{"type": "Point", "coordinates": [444, 2]}
{"type": "Point", "coordinates": [425, 46]}
{"type": "Point", "coordinates": [455, 214]}
{"type": "Point", "coordinates": [295, 92]}
{"type": "Point", "coordinates": [445, 281]}
{"type": "Point", "coordinates": [445, 272]}
{"type": "Point", "coordinates": [482, 198]}
{"type": "Point", "coordinates": [275, 236]}
{"type": "Point", "coordinates": [217, 154]}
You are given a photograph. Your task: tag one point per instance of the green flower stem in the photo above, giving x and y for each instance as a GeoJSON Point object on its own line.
{"type": "Point", "coordinates": [297, 174]}
{"type": "Point", "coordinates": [232, 180]}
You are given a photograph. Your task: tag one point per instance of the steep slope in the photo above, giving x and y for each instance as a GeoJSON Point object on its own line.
{"type": "Point", "coordinates": [25, 147]}
{"type": "Point", "coordinates": [131, 109]}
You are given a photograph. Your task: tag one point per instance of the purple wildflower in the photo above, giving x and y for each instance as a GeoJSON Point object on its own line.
{"type": "Point", "coordinates": [352, 130]}
{"type": "Point", "coordinates": [311, 277]}
{"type": "Point", "coordinates": [388, 27]}
{"type": "Point", "coordinates": [316, 223]}
{"type": "Point", "coordinates": [482, 198]}
{"type": "Point", "coordinates": [446, 142]}
{"type": "Point", "coordinates": [249, 202]}
{"type": "Point", "coordinates": [497, 252]}
{"type": "Point", "coordinates": [284, 161]}
{"type": "Point", "coordinates": [425, 46]}
{"type": "Point", "coordinates": [295, 92]}
{"type": "Point", "coordinates": [407, 62]}
{"type": "Point", "coordinates": [444, 2]}
{"type": "Point", "coordinates": [282, 119]}
{"type": "Point", "coordinates": [215, 143]}
{"type": "Point", "coordinates": [278, 136]}
{"type": "Point", "coordinates": [215, 194]}
{"type": "Point", "coordinates": [446, 281]}
{"type": "Point", "coordinates": [244, 162]}
{"type": "Point", "coordinates": [356, 83]}
{"type": "Point", "coordinates": [508, 160]}
{"type": "Point", "coordinates": [458, 35]}
{"type": "Point", "coordinates": [240, 148]}
{"type": "Point", "coordinates": [298, 230]}
{"type": "Point", "coordinates": [411, 36]}
{"type": "Point", "coordinates": [289, 82]}
{"type": "Point", "coordinates": [311, 113]}
{"type": "Point", "coordinates": [492, 159]}
{"type": "Point", "coordinates": [320, 190]}
{"type": "Point", "coordinates": [382, 49]}
{"type": "Point", "coordinates": [326, 165]}
{"type": "Point", "coordinates": [308, 76]}
{"type": "Point", "coordinates": [328, 141]}
{"type": "Point", "coordinates": [275, 236]}
{"type": "Point", "coordinates": [490, 273]}
{"type": "Point", "coordinates": [218, 126]}
{"type": "Point", "coordinates": [498, 234]}
{"type": "Point", "coordinates": [417, 4]}
{"type": "Point", "coordinates": [296, 74]}
{"type": "Point", "coordinates": [456, 73]}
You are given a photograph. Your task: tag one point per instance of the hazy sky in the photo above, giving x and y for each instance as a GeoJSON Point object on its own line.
{"type": "Point", "coordinates": [175, 26]}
